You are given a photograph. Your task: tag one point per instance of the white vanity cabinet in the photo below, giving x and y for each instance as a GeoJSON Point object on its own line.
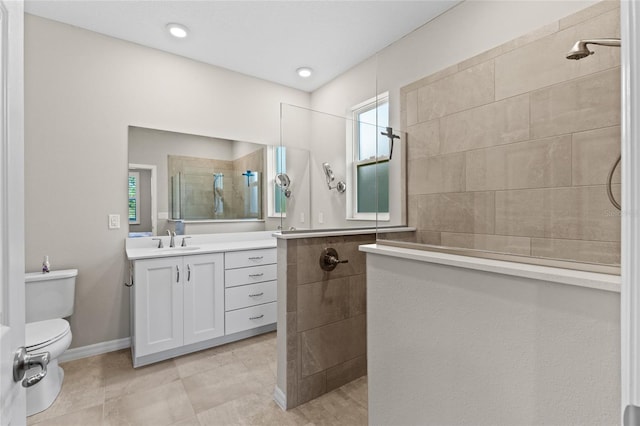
{"type": "Point", "coordinates": [188, 302]}
{"type": "Point", "coordinates": [177, 301]}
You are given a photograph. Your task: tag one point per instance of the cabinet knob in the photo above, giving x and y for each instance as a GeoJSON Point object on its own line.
{"type": "Point", "coordinates": [257, 294]}
{"type": "Point", "coordinates": [177, 274]}
{"type": "Point", "coordinates": [258, 317]}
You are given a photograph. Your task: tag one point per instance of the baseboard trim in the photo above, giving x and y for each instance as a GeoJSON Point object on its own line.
{"type": "Point", "coordinates": [280, 398]}
{"type": "Point", "coordinates": [95, 349]}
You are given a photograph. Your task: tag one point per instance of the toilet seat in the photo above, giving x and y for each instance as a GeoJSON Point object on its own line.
{"type": "Point", "coordinates": [44, 333]}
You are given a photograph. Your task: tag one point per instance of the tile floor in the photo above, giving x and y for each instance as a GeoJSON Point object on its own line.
{"type": "Point", "coordinates": [228, 385]}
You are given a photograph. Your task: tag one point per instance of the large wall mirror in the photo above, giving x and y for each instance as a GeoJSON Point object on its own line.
{"type": "Point", "coordinates": [177, 179]}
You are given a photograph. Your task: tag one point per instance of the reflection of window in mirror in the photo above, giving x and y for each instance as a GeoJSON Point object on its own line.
{"type": "Point", "coordinates": [277, 164]}
{"type": "Point", "coordinates": [134, 198]}
{"type": "Point", "coordinates": [369, 159]}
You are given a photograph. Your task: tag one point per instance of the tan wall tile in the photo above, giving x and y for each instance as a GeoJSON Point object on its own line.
{"type": "Point", "coordinates": [495, 243]}
{"type": "Point", "coordinates": [292, 283]}
{"type": "Point", "coordinates": [292, 383]}
{"type": "Point", "coordinates": [292, 336]}
{"type": "Point", "coordinates": [471, 212]}
{"type": "Point", "coordinates": [531, 37]}
{"type": "Point", "coordinates": [423, 140]}
{"type": "Point", "coordinates": [533, 164]}
{"type": "Point", "coordinates": [332, 344]}
{"type": "Point", "coordinates": [466, 89]}
{"type": "Point", "coordinates": [571, 110]}
{"type": "Point", "coordinates": [442, 173]}
{"type": "Point", "coordinates": [594, 153]}
{"type": "Point", "coordinates": [438, 75]}
{"type": "Point", "coordinates": [485, 56]}
{"type": "Point", "coordinates": [429, 237]}
{"type": "Point", "coordinates": [292, 253]}
{"type": "Point", "coordinates": [604, 252]}
{"type": "Point", "coordinates": [412, 210]}
{"type": "Point", "coordinates": [488, 125]}
{"type": "Point", "coordinates": [589, 12]}
{"type": "Point", "coordinates": [412, 107]}
{"type": "Point", "coordinates": [309, 251]}
{"type": "Point", "coordinates": [587, 103]}
{"type": "Point", "coordinates": [409, 236]}
{"type": "Point", "coordinates": [312, 387]}
{"type": "Point", "coordinates": [323, 303]}
{"type": "Point", "coordinates": [346, 372]}
{"type": "Point", "coordinates": [543, 62]}
{"type": "Point", "coordinates": [581, 213]}
{"type": "Point", "coordinates": [357, 295]}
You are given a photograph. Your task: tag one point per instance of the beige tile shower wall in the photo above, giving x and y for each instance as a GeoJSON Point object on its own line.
{"type": "Point", "coordinates": [510, 150]}
{"type": "Point", "coordinates": [325, 336]}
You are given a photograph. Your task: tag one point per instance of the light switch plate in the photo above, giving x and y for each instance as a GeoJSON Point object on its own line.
{"type": "Point", "coordinates": [114, 221]}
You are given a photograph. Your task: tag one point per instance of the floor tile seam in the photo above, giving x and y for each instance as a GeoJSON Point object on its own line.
{"type": "Point", "coordinates": [198, 413]}
{"type": "Point", "coordinates": [64, 413]}
{"type": "Point", "coordinates": [201, 371]}
{"type": "Point", "coordinates": [137, 391]}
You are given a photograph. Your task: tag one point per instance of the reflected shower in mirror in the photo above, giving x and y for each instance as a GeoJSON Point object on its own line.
{"type": "Point", "coordinates": [177, 176]}
{"type": "Point", "coordinates": [197, 183]}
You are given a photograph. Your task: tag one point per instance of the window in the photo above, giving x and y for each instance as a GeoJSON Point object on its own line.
{"type": "Point", "coordinates": [370, 160]}
{"type": "Point", "coordinates": [277, 166]}
{"type": "Point", "coordinates": [134, 198]}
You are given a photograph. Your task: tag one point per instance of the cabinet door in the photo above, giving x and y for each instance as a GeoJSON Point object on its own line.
{"type": "Point", "coordinates": [158, 305]}
{"type": "Point", "coordinates": [203, 297]}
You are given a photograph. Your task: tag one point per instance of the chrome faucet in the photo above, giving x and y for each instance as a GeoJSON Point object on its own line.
{"type": "Point", "coordinates": [172, 242]}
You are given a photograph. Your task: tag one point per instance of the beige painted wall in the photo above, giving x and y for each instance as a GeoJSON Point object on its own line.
{"type": "Point", "coordinates": [82, 91]}
{"type": "Point", "coordinates": [468, 29]}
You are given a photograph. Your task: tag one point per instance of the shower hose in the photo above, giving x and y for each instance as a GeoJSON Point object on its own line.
{"type": "Point", "coordinates": [609, 178]}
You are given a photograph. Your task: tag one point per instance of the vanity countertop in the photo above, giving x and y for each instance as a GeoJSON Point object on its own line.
{"type": "Point", "coordinates": [147, 248]}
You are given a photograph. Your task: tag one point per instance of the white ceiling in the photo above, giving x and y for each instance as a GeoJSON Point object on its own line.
{"type": "Point", "coordinates": [265, 39]}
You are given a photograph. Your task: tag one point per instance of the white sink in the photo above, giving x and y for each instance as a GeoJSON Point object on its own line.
{"type": "Point", "coordinates": [176, 250]}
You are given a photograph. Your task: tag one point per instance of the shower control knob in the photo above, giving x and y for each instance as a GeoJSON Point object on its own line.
{"type": "Point", "coordinates": [329, 259]}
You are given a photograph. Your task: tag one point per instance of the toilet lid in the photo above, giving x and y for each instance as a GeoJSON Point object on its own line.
{"type": "Point", "coordinates": [41, 333]}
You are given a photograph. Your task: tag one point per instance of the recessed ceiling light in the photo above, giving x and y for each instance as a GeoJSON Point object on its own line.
{"type": "Point", "coordinates": [177, 30]}
{"type": "Point", "coordinates": [304, 72]}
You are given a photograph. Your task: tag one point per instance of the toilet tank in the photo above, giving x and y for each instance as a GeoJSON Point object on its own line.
{"type": "Point", "coordinates": [50, 295]}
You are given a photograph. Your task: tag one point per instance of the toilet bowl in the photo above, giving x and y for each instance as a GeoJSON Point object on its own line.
{"type": "Point", "coordinates": [49, 298]}
{"type": "Point", "coordinates": [53, 336]}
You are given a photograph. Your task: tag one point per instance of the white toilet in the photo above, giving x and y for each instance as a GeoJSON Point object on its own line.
{"type": "Point", "coordinates": [49, 299]}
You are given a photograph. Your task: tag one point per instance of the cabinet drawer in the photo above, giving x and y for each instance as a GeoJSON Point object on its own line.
{"type": "Point", "coordinates": [242, 259]}
{"type": "Point", "coordinates": [247, 318]}
{"type": "Point", "coordinates": [255, 274]}
{"type": "Point", "coordinates": [250, 295]}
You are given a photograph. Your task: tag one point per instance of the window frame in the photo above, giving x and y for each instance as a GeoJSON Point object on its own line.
{"type": "Point", "coordinates": [136, 176]}
{"type": "Point", "coordinates": [272, 167]}
{"type": "Point", "coordinates": [353, 161]}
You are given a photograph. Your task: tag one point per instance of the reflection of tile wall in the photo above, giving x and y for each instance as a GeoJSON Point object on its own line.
{"type": "Point", "coordinates": [510, 150]}
{"type": "Point", "coordinates": [197, 199]}
{"type": "Point", "coordinates": [326, 315]}
{"type": "Point", "coordinates": [254, 162]}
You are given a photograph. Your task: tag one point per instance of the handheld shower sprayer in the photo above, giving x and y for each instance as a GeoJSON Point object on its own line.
{"type": "Point", "coordinates": [340, 186]}
{"type": "Point", "coordinates": [284, 182]}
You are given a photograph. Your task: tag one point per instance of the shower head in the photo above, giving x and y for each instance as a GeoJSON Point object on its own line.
{"type": "Point", "coordinates": [580, 49]}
